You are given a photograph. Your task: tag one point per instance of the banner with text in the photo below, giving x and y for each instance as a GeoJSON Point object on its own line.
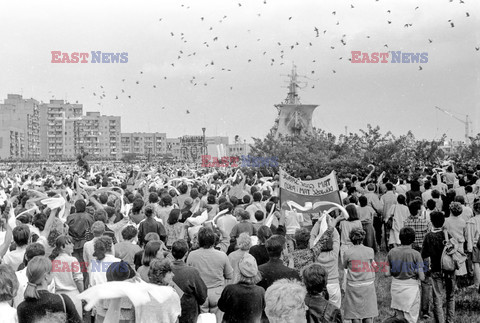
{"type": "Point", "coordinates": [322, 189]}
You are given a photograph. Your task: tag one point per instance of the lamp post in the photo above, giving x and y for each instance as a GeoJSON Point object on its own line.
{"type": "Point", "coordinates": [204, 152]}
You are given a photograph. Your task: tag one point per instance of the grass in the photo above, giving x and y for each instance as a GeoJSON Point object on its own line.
{"type": "Point", "coordinates": [467, 300]}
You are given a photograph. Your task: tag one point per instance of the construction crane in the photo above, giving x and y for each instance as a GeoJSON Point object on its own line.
{"type": "Point", "coordinates": [466, 122]}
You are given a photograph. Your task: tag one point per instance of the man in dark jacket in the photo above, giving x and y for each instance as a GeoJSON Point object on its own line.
{"type": "Point", "coordinates": [189, 281]}
{"type": "Point", "coordinates": [274, 269]}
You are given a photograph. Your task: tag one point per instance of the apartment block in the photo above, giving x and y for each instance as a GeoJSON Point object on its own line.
{"type": "Point", "coordinates": [19, 120]}
{"type": "Point", "coordinates": [144, 144]}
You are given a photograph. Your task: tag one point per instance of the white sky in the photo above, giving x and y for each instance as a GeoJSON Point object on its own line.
{"type": "Point", "coordinates": [397, 97]}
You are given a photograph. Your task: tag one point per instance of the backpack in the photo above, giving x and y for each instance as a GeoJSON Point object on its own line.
{"type": "Point", "coordinates": [451, 258]}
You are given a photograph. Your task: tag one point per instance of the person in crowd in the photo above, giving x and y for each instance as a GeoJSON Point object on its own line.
{"type": "Point", "coordinates": [21, 237]}
{"type": "Point", "coordinates": [8, 291]}
{"type": "Point", "coordinates": [421, 227]}
{"type": "Point", "coordinates": [118, 271]}
{"type": "Point", "coordinates": [345, 228]}
{"type": "Point", "coordinates": [450, 176]}
{"type": "Point", "coordinates": [214, 268]}
{"type": "Point", "coordinates": [255, 206]}
{"type": "Point", "coordinates": [377, 205]}
{"type": "Point", "coordinates": [427, 194]}
{"type": "Point", "coordinates": [285, 302]}
{"type": "Point", "coordinates": [150, 225]}
{"type": "Point", "coordinates": [406, 267]}
{"type": "Point", "coordinates": [274, 269]}
{"type": "Point", "coordinates": [399, 213]}
{"type": "Point", "coordinates": [137, 259]}
{"type": "Point", "coordinates": [127, 249]}
{"type": "Point", "coordinates": [366, 215]}
{"type": "Point", "coordinates": [472, 237]}
{"type": "Point", "coordinates": [244, 243]}
{"type": "Point", "coordinates": [160, 273]}
{"type": "Point", "coordinates": [438, 200]}
{"type": "Point", "coordinates": [244, 225]}
{"type": "Point", "coordinates": [432, 250]}
{"type": "Point", "coordinates": [244, 300]}
{"type": "Point", "coordinates": [357, 307]}
{"type": "Point", "coordinates": [302, 255]}
{"type": "Point", "coordinates": [326, 251]}
{"type": "Point", "coordinates": [320, 310]}
{"type": "Point", "coordinates": [153, 250]}
{"type": "Point", "coordinates": [78, 225]}
{"type": "Point", "coordinates": [189, 281]}
{"type": "Point", "coordinates": [456, 227]}
{"type": "Point", "coordinates": [226, 221]}
{"type": "Point", "coordinates": [259, 251]}
{"type": "Point", "coordinates": [38, 300]}
{"type": "Point", "coordinates": [103, 257]}
{"type": "Point", "coordinates": [165, 208]}
{"type": "Point", "coordinates": [414, 192]}
{"type": "Point", "coordinates": [174, 229]}
{"type": "Point", "coordinates": [137, 213]}
{"type": "Point", "coordinates": [67, 272]}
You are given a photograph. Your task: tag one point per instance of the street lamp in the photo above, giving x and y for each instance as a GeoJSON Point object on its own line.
{"type": "Point", "coordinates": [204, 142]}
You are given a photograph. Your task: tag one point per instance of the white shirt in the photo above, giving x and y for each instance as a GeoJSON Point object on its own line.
{"type": "Point", "coordinates": [9, 314]}
{"type": "Point", "coordinates": [98, 269]}
{"type": "Point", "coordinates": [14, 258]}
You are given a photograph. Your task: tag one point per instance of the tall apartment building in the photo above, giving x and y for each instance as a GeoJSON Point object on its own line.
{"type": "Point", "coordinates": [99, 135]}
{"type": "Point", "coordinates": [65, 132]}
{"type": "Point", "coordinates": [19, 127]}
{"type": "Point", "coordinates": [144, 144]}
{"type": "Point", "coordinates": [59, 129]}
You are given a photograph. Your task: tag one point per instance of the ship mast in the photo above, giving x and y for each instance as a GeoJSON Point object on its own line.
{"type": "Point", "coordinates": [292, 97]}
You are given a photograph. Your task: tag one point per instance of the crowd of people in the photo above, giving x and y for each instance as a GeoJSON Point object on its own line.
{"type": "Point", "coordinates": [150, 243]}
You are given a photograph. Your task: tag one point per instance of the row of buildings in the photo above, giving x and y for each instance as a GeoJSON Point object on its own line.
{"type": "Point", "coordinates": [57, 130]}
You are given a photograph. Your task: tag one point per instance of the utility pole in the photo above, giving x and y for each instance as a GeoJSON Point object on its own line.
{"type": "Point", "coordinates": [466, 122]}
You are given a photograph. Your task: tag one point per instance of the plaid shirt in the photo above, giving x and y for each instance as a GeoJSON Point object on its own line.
{"type": "Point", "coordinates": [421, 227]}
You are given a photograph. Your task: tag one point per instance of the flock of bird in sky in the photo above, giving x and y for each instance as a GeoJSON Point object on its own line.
{"type": "Point", "coordinates": [278, 58]}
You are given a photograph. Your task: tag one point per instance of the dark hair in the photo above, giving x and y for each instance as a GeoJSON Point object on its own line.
{"type": "Point", "coordinates": [59, 244]}
{"type": "Point", "coordinates": [21, 233]}
{"type": "Point", "coordinates": [137, 205]}
{"type": "Point", "coordinates": [173, 216]}
{"type": "Point", "coordinates": [363, 201]}
{"type": "Point", "coordinates": [401, 199]}
{"type": "Point", "coordinates": [357, 235]}
{"type": "Point", "coordinates": [226, 205]}
{"type": "Point", "coordinates": [352, 212]}
{"type": "Point", "coordinates": [414, 207]}
{"type": "Point", "coordinates": [244, 215]}
{"type": "Point", "coordinates": [449, 168]}
{"type": "Point", "coordinates": [427, 185]}
{"type": "Point", "coordinates": [153, 197]}
{"type": "Point", "coordinates": [468, 189]}
{"type": "Point", "coordinates": [158, 270]}
{"type": "Point", "coordinates": [103, 198]}
{"type": "Point", "coordinates": [315, 278]}
{"type": "Point", "coordinates": [183, 188]}
{"type": "Point", "coordinates": [437, 218]}
{"type": "Point", "coordinates": [476, 207]}
{"type": "Point", "coordinates": [431, 204]}
{"type": "Point", "coordinates": [179, 249]}
{"type": "Point", "coordinates": [151, 250]}
{"type": "Point", "coordinates": [211, 199]}
{"type": "Point", "coordinates": [264, 233]}
{"type": "Point", "coordinates": [268, 206]}
{"type": "Point", "coordinates": [415, 186]}
{"type": "Point", "coordinates": [246, 199]}
{"type": "Point", "coordinates": [353, 199]}
{"type": "Point", "coordinates": [259, 215]}
{"type": "Point", "coordinates": [460, 199]}
{"type": "Point", "coordinates": [389, 186]}
{"type": "Point", "coordinates": [101, 246]}
{"type": "Point", "coordinates": [456, 208]}
{"type": "Point", "coordinates": [302, 237]}
{"type": "Point", "coordinates": [166, 200]}
{"type": "Point", "coordinates": [33, 250]}
{"type": "Point", "coordinates": [193, 193]}
{"type": "Point", "coordinates": [274, 246]}
{"type": "Point", "coordinates": [80, 206]}
{"type": "Point", "coordinates": [206, 238]}
{"type": "Point", "coordinates": [257, 197]}
{"type": "Point", "coordinates": [435, 194]}
{"type": "Point", "coordinates": [407, 236]}
{"type": "Point", "coordinates": [149, 211]}
{"type": "Point", "coordinates": [129, 232]}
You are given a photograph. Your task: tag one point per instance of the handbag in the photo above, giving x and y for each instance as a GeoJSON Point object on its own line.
{"type": "Point", "coordinates": [451, 258]}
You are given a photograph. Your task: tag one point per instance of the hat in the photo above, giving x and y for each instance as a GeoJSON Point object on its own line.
{"type": "Point", "coordinates": [120, 271]}
{"type": "Point", "coordinates": [188, 201]}
{"type": "Point", "coordinates": [248, 266]}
